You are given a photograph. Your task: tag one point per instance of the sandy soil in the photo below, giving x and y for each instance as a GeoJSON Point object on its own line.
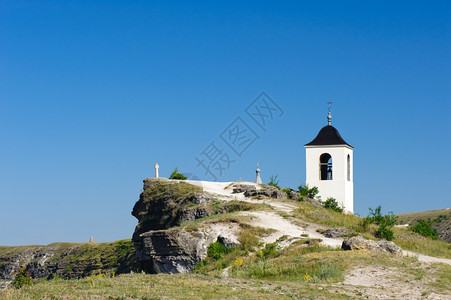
{"type": "Point", "coordinates": [375, 282]}
{"type": "Point", "coordinates": [427, 259]}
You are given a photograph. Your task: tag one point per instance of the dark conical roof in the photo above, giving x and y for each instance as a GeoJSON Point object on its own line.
{"type": "Point", "coordinates": [328, 135]}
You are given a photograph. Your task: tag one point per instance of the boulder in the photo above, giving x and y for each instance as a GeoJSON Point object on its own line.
{"type": "Point", "coordinates": [336, 232]}
{"type": "Point", "coordinates": [313, 202]}
{"type": "Point", "coordinates": [360, 243]}
{"type": "Point", "coordinates": [264, 191]}
{"type": "Point", "coordinates": [229, 241]}
{"type": "Point", "coordinates": [267, 191]}
{"type": "Point", "coordinates": [390, 247]}
{"type": "Point", "coordinates": [171, 251]}
{"type": "Point", "coordinates": [294, 195]}
{"type": "Point", "coordinates": [244, 188]}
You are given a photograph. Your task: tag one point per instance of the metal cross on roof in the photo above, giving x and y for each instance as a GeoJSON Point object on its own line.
{"type": "Point", "coordinates": [329, 116]}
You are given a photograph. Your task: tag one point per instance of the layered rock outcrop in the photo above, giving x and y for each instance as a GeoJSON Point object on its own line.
{"type": "Point", "coordinates": [68, 260]}
{"type": "Point", "coordinates": [382, 246]}
{"type": "Point", "coordinates": [262, 191]}
{"type": "Point", "coordinates": [161, 245]}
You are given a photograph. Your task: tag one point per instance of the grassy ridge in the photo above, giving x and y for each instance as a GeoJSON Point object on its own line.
{"type": "Point", "coordinates": [440, 220]}
{"type": "Point", "coordinates": [73, 260]}
{"type": "Point", "coordinates": [412, 218]}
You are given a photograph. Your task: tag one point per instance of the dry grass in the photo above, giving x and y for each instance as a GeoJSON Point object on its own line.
{"type": "Point", "coordinates": [291, 263]}
{"type": "Point", "coordinates": [403, 237]}
{"type": "Point", "coordinates": [420, 244]}
{"type": "Point", "coordinates": [181, 286]}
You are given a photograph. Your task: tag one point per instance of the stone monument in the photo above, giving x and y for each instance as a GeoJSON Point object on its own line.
{"type": "Point", "coordinates": [258, 179]}
{"type": "Point", "coordinates": [156, 170]}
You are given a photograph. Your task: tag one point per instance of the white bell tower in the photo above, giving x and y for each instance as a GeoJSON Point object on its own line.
{"type": "Point", "coordinates": [329, 166]}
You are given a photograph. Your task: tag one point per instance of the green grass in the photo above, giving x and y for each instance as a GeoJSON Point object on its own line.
{"type": "Point", "coordinates": [268, 263]}
{"type": "Point", "coordinates": [179, 286]}
{"type": "Point", "coordinates": [411, 218]}
{"type": "Point", "coordinates": [417, 243]}
{"type": "Point", "coordinates": [329, 218]}
{"type": "Point", "coordinates": [169, 190]}
{"type": "Point", "coordinates": [331, 266]}
{"type": "Point", "coordinates": [279, 275]}
{"type": "Point", "coordinates": [402, 237]}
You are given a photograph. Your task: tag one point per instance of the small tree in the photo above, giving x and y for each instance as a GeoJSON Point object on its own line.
{"type": "Point", "coordinates": [384, 232]}
{"type": "Point", "coordinates": [306, 191]}
{"type": "Point", "coordinates": [425, 229]}
{"type": "Point", "coordinates": [177, 175]}
{"type": "Point", "coordinates": [332, 204]}
{"type": "Point", "coordinates": [385, 223]}
{"type": "Point", "coordinates": [273, 181]}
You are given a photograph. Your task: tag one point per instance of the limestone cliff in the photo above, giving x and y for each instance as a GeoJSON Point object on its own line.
{"type": "Point", "coordinates": [68, 260]}
{"type": "Point", "coordinates": [161, 244]}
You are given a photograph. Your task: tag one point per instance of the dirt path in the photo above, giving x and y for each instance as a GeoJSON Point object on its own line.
{"type": "Point", "coordinates": [283, 227]}
{"type": "Point", "coordinates": [376, 282]}
{"type": "Point", "coordinates": [426, 258]}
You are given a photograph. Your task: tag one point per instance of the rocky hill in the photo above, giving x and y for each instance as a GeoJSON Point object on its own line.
{"type": "Point", "coordinates": [68, 260]}
{"type": "Point", "coordinates": [440, 220]}
{"type": "Point", "coordinates": [162, 245]}
{"type": "Point", "coordinates": [243, 239]}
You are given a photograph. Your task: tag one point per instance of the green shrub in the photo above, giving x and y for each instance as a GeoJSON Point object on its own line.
{"type": "Point", "coordinates": [177, 175]}
{"type": "Point", "coordinates": [332, 204]}
{"type": "Point", "coordinates": [375, 215]}
{"type": "Point", "coordinates": [425, 229]}
{"type": "Point", "coordinates": [306, 191]}
{"type": "Point", "coordinates": [22, 278]}
{"type": "Point", "coordinates": [385, 223]}
{"type": "Point", "coordinates": [217, 250]}
{"type": "Point", "coordinates": [273, 181]}
{"type": "Point", "coordinates": [384, 232]}
{"type": "Point", "coordinates": [270, 250]}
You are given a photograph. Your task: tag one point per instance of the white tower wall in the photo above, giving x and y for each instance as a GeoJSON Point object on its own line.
{"type": "Point", "coordinates": [341, 187]}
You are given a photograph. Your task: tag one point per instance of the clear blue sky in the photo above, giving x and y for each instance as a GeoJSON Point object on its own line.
{"type": "Point", "coordinates": [93, 93]}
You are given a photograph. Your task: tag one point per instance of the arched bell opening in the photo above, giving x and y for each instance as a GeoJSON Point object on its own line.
{"type": "Point", "coordinates": [349, 167]}
{"type": "Point", "coordinates": [325, 166]}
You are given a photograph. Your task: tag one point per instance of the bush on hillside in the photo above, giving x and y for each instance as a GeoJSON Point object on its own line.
{"type": "Point", "coordinates": [385, 223]}
{"type": "Point", "coordinates": [273, 181]}
{"type": "Point", "coordinates": [425, 229]}
{"type": "Point", "coordinates": [22, 278]}
{"type": "Point", "coordinates": [307, 191]}
{"type": "Point", "coordinates": [384, 232]}
{"type": "Point", "coordinates": [217, 250]}
{"type": "Point", "coordinates": [332, 204]}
